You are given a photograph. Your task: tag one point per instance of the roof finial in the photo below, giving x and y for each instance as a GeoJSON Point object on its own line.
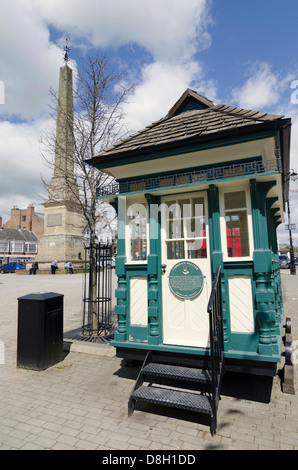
{"type": "Point", "coordinates": [66, 51]}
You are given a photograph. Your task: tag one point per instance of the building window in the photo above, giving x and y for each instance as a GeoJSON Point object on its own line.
{"type": "Point", "coordinates": [23, 218]}
{"type": "Point", "coordinates": [17, 247]}
{"type": "Point", "coordinates": [4, 246]}
{"type": "Point", "coordinates": [30, 247]}
{"type": "Point", "coordinates": [237, 234]}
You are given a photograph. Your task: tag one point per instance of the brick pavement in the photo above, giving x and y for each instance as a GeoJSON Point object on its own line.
{"type": "Point", "coordinates": [81, 403]}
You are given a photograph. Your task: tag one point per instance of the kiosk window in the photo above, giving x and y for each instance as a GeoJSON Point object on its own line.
{"type": "Point", "coordinates": [236, 224]}
{"type": "Point", "coordinates": [137, 218]}
{"type": "Point", "coordinates": [185, 223]}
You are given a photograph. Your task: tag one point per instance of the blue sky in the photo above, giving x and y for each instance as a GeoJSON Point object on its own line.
{"type": "Point", "coordinates": [242, 53]}
{"type": "Point", "coordinates": [244, 32]}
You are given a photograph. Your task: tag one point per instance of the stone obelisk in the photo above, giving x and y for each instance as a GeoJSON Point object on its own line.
{"type": "Point", "coordinates": [62, 239]}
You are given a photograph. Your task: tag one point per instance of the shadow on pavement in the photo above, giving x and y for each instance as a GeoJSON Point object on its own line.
{"type": "Point", "coordinates": [247, 387]}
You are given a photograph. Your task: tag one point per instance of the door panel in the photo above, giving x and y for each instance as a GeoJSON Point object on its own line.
{"type": "Point", "coordinates": [185, 238]}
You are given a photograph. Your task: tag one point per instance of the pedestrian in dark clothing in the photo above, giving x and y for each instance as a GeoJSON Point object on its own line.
{"type": "Point", "coordinates": [54, 266]}
{"type": "Point", "coordinates": [34, 267]}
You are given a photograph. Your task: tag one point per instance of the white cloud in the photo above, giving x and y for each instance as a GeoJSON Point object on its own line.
{"type": "Point", "coordinates": [170, 32]}
{"type": "Point", "coordinates": [29, 61]}
{"type": "Point", "coordinates": [262, 89]}
{"type": "Point", "coordinates": [161, 85]}
{"type": "Point", "coordinates": [169, 29]}
{"type": "Point", "coordinates": [21, 165]}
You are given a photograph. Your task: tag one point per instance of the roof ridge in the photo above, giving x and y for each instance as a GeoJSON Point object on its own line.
{"type": "Point", "coordinates": [197, 96]}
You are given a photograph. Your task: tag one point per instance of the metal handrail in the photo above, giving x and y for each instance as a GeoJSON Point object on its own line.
{"type": "Point", "coordinates": [216, 342]}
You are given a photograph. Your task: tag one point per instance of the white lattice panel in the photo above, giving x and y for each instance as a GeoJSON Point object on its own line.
{"type": "Point", "coordinates": [138, 301]}
{"type": "Point", "coordinates": [241, 305]}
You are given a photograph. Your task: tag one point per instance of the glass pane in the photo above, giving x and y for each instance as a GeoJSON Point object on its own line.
{"type": "Point", "coordinates": [138, 250]}
{"type": "Point", "coordinates": [237, 234]}
{"type": "Point", "coordinates": [195, 228]}
{"type": "Point", "coordinates": [174, 229]}
{"type": "Point", "coordinates": [175, 250]}
{"type": "Point", "coordinates": [18, 246]}
{"type": "Point", "coordinates": [184, 207]}
{"type": "Point", "coordinates": [235, 200]}
{"type": "Point", "coordinates": [196, 249]}
{"type": "Point", "coordinates": [3, 246]}
{"type": "Point", "coordinates": [198, 207]}
{"type": "Point", "coordinates": [173, 210]}
{"type": "Point", "coordinates": [138, 232]}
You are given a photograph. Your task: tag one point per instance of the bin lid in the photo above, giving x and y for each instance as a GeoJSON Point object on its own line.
{"type": "Point", "coordinates": [41, 296]}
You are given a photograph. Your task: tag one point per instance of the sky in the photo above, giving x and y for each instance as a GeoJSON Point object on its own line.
{"type": "Point", "coordinates": [241, 53]}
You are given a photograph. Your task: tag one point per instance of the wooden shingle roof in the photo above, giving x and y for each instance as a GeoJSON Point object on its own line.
{"type": "Point", "coordinates": [212, 121]}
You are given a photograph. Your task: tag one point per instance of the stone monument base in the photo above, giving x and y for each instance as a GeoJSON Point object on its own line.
{"type": "Point", "coordinates": [62, 248]}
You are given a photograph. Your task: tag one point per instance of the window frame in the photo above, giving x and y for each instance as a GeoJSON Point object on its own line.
{"type": "Point", "coordinates": [128, 239]}
{"type": "Point", "coordinates": [223, 224]}
{"type": "Point", "coordinates": [175, 198]}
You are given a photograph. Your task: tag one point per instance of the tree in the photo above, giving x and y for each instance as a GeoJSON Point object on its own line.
{"type": "Point", "coordinates": [94, 123]}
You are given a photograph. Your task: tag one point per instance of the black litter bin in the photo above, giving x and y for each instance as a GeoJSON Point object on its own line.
{"type": "Point", "coordinates": [40, 330]}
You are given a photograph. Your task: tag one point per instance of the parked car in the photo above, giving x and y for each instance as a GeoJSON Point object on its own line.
{"type": "Point", "coordinates": [110, 262]}
{"type": "Point", "coordinates": [18, 265]}
{"type": "Point", "coordinates": [284, 261]}
{"type": "Point", "coordinates": [7, 268]}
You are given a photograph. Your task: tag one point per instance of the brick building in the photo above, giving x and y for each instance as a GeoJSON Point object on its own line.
{"type": "Point", "coordinates": [25, 219]}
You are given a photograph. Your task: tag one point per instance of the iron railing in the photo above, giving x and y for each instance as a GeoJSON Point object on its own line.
{"type": "Point", "coordinates": [98, 317]}
{"type": "Point", "coordinates": [216, 343]}
{"type": "Point", "coordinates": [209, 174]}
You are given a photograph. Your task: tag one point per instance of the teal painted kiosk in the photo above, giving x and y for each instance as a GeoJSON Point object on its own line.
{"type": "Point", "coordinates": [202, 189]}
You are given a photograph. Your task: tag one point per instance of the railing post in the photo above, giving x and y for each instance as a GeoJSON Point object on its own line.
{"type": "Point", "coordinates": [216, 342]}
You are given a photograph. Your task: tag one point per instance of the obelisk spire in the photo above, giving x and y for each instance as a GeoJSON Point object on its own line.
{"type": "Point", "coordinates": [62, 239]}
{"type": "Point", "coordinates": [64, 156]}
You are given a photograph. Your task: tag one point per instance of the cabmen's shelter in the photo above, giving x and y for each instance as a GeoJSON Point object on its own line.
{"type": "Point", "coordinates": [198, 193]}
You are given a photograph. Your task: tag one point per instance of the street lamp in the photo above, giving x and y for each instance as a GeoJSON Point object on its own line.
{"type": "Point", "coordinates": [293, 177]}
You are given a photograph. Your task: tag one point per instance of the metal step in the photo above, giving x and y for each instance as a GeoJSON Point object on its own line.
{"type": "Point", "coordinates": [173, 398]}
{"type": "Point", "coordinates": [179, 373]}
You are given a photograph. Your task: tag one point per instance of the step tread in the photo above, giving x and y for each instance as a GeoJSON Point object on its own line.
{"type": "Point", "coordinates": [178, 372]}
{"type": "Point", "coordinates": [174, 398]}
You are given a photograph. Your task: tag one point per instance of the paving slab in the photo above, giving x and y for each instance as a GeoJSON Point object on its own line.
{"type": "Point", "coordinates": [81, 402]}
